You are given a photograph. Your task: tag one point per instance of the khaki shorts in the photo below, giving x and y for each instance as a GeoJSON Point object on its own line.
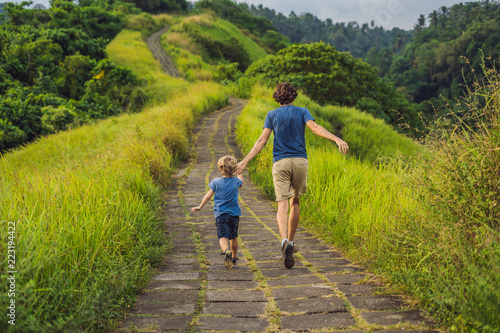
{"type": "Point", "coordinates": [290, 178]}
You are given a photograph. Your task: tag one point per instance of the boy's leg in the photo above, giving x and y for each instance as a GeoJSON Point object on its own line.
{"type": "Point", "coordinates": [234, 246]}
{"type": "Point", "coordinates": [233, 234]}
{"type": "Point", "coordinates": [293, 219]}
{"type": "Point", "coordinates": [223, 244]}
{"type": "Point", "coordinates": [223, 235]}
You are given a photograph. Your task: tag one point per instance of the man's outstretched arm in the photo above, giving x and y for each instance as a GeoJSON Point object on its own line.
{"type": "Point", "coordinates": [258, 146]}
{"type": "Point", "coordinates": [323, 132]}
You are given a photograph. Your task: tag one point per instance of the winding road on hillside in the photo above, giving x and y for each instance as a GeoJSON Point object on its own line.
{"type": "Point", "coordinates": [154, 43]}
{"type": "Point", "coordinates": [194, 292]}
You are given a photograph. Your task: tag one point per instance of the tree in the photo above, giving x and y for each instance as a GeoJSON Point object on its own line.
{"type": "Point", "coordinates": [332, 77]}
{"type": "Point", "coordinates": [156, 6]}
{"type": "Point", "coordinates": [39, 7]}
{"type": "Point", "coordinates": [434, 19]}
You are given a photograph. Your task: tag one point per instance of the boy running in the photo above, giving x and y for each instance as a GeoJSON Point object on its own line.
{"type": "Point", "coordinates": [226, 208]}
{"type": "Point", "coordinates": [289, 160]}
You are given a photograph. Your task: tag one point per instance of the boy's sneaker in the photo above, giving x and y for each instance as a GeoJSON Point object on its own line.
{"type": "Point", "coordinates": [234, 260]}
{"type": "Point", "coordinates": [287, 250]}
{"type": "Point", "coordinates": [228, 259]}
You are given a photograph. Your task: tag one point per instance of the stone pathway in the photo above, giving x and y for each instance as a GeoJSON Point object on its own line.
{"type": "Point", "coordinates": [154, 43]}
{"type": "Point", "coordinates": [193, 291]}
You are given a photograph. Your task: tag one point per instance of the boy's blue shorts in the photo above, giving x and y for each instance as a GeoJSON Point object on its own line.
{"type": "Point", "coordinates": [227, 226]}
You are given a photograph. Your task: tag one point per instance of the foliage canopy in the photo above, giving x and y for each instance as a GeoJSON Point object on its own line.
{"type": "Point", "coordinates": [53, 70]}
{"type": "Point", "coordinates": [332, 77]}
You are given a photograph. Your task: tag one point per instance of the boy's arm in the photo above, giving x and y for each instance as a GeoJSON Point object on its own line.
{"type": "Point", "coordinates": [324, 133]}
{"type": "Point", "coordinates": [240, 177]}
{"type": "Point", "coordinates": [203, 202]}
{"type": "Point", "coordinates": [259, 145]}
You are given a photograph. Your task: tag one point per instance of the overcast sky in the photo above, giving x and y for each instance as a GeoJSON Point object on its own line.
{"type": "Point", "coordinates": [386, 13]}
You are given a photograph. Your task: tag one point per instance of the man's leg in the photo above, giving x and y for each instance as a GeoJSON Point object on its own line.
{"type": "Point", "coordinates": [282, 218]}
{"type": "Point", "coordinates": [293, 219]}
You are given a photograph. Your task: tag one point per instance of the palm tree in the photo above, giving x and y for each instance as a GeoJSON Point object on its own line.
{"type": "Point", "coordinates": [434, 19]}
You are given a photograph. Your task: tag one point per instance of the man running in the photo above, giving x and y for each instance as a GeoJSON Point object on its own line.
{"type": "Point", "coordinates": [289, 160]}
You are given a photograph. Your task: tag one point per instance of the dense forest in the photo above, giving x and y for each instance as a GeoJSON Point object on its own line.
{"type": "Point", "coordinates": [444, 57]}
{"type": "Point", "coordinates": [429, 65]}
{"type": "Point", "coordinates": [358, 39]}
{"type": "Point", "coordinates": [54, 73]}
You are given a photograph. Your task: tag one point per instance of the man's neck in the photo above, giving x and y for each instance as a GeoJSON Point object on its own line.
{"type": "Point", "coordinates": [286, 104]}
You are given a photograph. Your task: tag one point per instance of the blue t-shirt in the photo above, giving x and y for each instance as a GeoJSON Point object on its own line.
{"type": "Point", "coordinates": [226, 195]}
{"type": "Point", "coordinates": [289, 125]}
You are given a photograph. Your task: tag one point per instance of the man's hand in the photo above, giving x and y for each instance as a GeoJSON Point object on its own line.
{"type": "Point", "coordinates": [196, 209]}
{"type": "Point", "coordinates": [343, 147]}
{"type": "Point", "coordinates": [241, 166]}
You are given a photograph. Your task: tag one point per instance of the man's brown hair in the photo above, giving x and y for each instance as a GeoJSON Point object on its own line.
{"type": "Point", "coordinates": [285, 93]}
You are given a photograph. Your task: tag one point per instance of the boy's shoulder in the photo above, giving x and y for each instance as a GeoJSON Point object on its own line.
{"type": "Point", "coordinates": [220, 180]}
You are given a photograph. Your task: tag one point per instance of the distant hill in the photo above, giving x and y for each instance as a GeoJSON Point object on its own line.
{"type": "Point", "coordinates": [353, 37]}
{"type": "Point", "coordinates": [1, 10]}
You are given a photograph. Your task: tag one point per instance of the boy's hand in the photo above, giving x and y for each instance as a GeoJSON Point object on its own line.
{"type": "Point", "coordinates": [196, 209]}
{"type": "Point", "coordinates": [241, 166]}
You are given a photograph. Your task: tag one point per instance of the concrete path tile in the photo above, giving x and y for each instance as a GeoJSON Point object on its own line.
{"type": "Point", "coordinates": [284, 272]}
{"type": "Point", "coordinates": [276, 264]}
{"type": "Point", "coordinates": [376, 302]}
{"type": "Point", "coordinates": [318, 321]}
{"type": "Point", "coordinates": [156, 323]}
{"type": "Point", "coordinates": [294, 281]}
{"type": "Point", "coordinates": [230, 276]}
{"type": "Point", "coordinates": [177, 276]}
{"type": "Point", "coordinates": [234, 309]}
{"type": "Point", "coordinates": [303, 291]}
{"type": "Point", "coordinates": [235, 296]}
{"type": "Point", "coordinates": [233, 324]}
{"type": "Point", "coordinates": [180, 268]}
{"type": "Point", "coordinates": [168, 285]}
{"type": "Point", "coordinates": [320, 255]}
{"type": "Point", "coordinates": [359, 289]}
{"type": "Point", "coordinates": [387, 318]}
{"type": "Point", "coordinates": [164, 309]}
{"type": "Point", "coordinates": [170, 296]}
{"type": "Point", "coordinates": [234, 285]}
{"type": "Point", "coordinates": [345, 278]}
{"type": "Point", "coordinates": [329, 262]}
{"type": "Point", "coordinates": [312, 305]}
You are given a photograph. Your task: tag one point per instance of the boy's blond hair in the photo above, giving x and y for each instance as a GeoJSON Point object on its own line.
{"type": "Point", "coordinates": [228, 165]}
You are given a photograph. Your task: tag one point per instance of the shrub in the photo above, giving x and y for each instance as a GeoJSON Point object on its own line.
{"type": "Point", "coordinates": [146, 24]}
{"type": "Point", "coordinates": [10, 135]}
{"type": "Point", "coordinates": [58, 119]}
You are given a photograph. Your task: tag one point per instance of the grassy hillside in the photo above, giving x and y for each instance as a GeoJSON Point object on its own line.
{"type": "Point", "coordinates": [199, 44]}
{"type": "Point", "coordinates": [86, 202]}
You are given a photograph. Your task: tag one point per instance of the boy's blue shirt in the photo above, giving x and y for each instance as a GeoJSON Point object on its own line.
{"type": "Point", "coordinates": [288, 124]}
{"type": "Point", "coordinates": [226, 195]}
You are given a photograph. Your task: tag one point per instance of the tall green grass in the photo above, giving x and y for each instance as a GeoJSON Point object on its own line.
{"type": "Point", "coordinates": [424, 218]}
{"type": "Point", "coordinates": [87, 203]}
{"type": "Point", "coordinates": [187, 54]}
